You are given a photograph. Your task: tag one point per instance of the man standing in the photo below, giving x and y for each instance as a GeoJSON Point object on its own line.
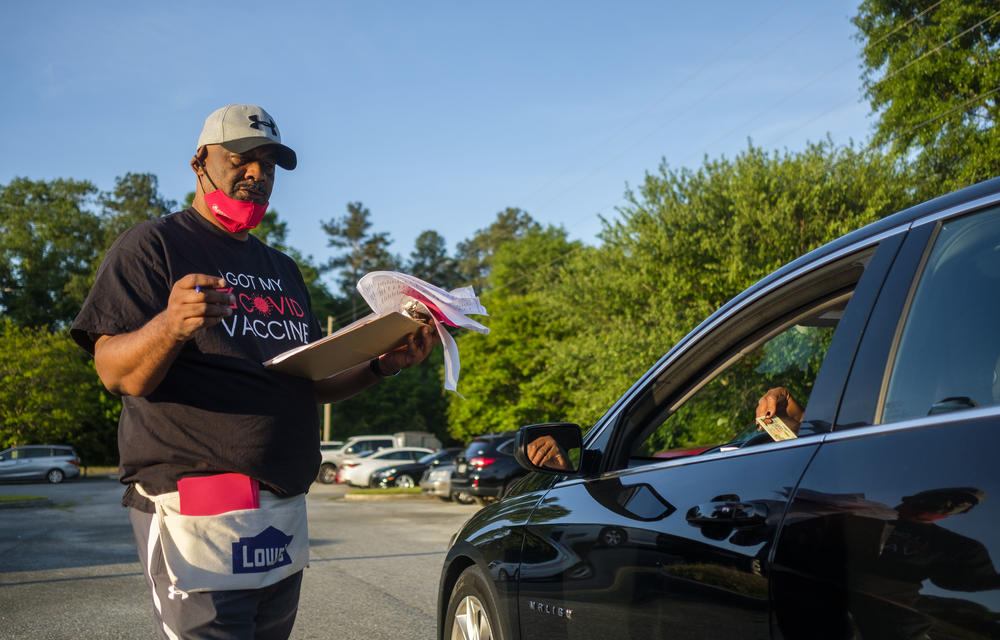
{"type": "Point", "coordinates": [183, 312]}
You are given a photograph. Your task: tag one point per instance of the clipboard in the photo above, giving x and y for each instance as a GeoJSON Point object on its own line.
{"type": "Point", "coordinates": [352, 345]}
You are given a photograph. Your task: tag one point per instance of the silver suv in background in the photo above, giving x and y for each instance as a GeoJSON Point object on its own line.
{"type": "Point", "coordinates": [39, 461]}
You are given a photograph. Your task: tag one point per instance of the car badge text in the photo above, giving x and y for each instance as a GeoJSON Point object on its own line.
{"type": "Point", "coordinates": [550, 609]}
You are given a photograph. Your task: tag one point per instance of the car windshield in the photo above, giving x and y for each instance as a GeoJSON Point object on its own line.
{"type": "Point", "coordinates": [477, 448]}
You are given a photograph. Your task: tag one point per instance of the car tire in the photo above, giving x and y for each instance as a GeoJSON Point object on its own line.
{"type": "Point", "coordinates": [612, 536]}
{"type": "Point", "coordinates": [472, 609]}
{"type": "Point", "coordinates": [327, 474]}
{"type": "Point", "coordinates": [55, 476]}
{"type": "Point", "coordinates": [462, 497]}
{"type": "Point", "coordinates": [405, 481]}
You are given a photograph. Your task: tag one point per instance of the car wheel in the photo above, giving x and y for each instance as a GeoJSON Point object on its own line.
{"type": "Point", "coordinates": [472, 610]}
{"type": "Point", "coordinates": [463, 498]}
{"type": "Point", "coordinates": [55, 476]}
{"type": "Point", "coordinates": [327, 474]}
{"type": "Point", "coordinates": [612, 536]}
{"type": "Point", "coordinates": [405, 481]}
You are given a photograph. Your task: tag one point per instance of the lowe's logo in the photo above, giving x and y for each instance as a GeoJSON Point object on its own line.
{"type": "Point", "coordinates": [262, 552]}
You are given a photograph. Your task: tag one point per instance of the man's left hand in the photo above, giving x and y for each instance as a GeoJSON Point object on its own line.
{"type": "Point", "coordinates": [419, 345]}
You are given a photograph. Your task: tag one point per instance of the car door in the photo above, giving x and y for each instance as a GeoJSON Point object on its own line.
{"type": "Point", "coordinates": [671, 529]}
{"type": "Point", "coordinates": [20, 464]}
{"type": "Point", "coordinates": [8, 463]}
{"type": "Point", "coordinates": [893, 530]}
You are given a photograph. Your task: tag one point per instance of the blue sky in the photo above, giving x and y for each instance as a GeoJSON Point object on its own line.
{"type": "Point", "coordinates": [435, 115]}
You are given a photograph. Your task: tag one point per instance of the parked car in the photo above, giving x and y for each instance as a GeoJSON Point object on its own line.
{"type": "Point", "coordinates": [878, 519]}
{"type": "Point", "coordinates": [486, 468]}
{"type": "Point", "coordinates": [359, 446]}
{"type": "Point", "coordinates": [330, 445]}
{"type": "Point", "coordinates": [358, 471]}
{"type": "Point", "coordinates": [54, 463]}
{"type": "Point", "coordinates": [408, 474]}
{"type": "Point", "coordinates": [436, 482]}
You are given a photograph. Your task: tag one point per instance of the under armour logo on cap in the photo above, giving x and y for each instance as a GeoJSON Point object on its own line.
{"type": "Point", "coordinates": [255, 123]}
{"type": "Point", "coordinates": [242, 127]}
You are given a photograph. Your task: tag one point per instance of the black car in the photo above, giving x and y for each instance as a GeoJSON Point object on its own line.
{"type": "Point", "coordinates": [879, 518]}
{"type": "Point", "coordinates": [486, 468]}
{"type": "Point", "coordinates": [408, 474]}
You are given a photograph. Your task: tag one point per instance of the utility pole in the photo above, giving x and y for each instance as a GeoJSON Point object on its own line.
{"type": "Point", "coordinates": [326, 407]}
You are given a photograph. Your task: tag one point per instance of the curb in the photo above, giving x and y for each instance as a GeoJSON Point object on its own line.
{"type": "Point", "coordinates": [377, 497]}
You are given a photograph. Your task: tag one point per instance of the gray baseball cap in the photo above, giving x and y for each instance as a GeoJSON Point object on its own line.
{"type": "Point", "coordinates": [242, 127]}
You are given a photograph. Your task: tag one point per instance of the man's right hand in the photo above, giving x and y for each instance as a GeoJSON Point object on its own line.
{"type": "Point", "coordinates": [134, 363]}
{"type": "Point", "coordinates": [196, 302]}
{"type": "Point", "coordinates": [546, 452]}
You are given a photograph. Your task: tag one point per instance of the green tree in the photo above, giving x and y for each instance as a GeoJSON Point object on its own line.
{"type": "Point", "coordinates": [506, 380]}
{"type": "Point", "coordinates": [363, 251]}
{"type": "Point", "coordinates": [48, 240]}
{"type": "Point", "coordinates": [932, 74]}
{"type": "Point", "coordinates": [430, 262]}
{"type": "Point", "coordinates": [135, 198]}
{"type": "Point", "coordinates": [687, 241]}
{"type": "Point", "coordinates": [274, 232]}
{"type": "Point", "coordinates": [475, 255]}
{"type": "Point", "coordinates": [50, 393]}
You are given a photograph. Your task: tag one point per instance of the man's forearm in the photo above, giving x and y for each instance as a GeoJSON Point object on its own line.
{"type": "Point", "coordinates": [135, 363]}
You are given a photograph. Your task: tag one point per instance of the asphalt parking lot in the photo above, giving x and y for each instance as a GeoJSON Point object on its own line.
{"type": "Point", "coordinates": [68, 570]}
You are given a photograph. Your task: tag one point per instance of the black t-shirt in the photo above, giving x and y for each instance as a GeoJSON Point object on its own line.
{"type": "Point", "coordinates": [218, 409]}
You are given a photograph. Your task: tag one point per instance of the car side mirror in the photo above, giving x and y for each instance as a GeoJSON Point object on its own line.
{"type": "Point", "coordinates": [549, 448]}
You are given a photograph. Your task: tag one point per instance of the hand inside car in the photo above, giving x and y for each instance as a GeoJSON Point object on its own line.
{"type": "Point", "coordinates": [546, 452]}
{"type": "Point", "coordinates": [777, 402]}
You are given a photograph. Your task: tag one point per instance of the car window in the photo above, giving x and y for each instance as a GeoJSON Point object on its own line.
{"type": "Point", "coordinates": [723, 410]}
{"type": "Point", "coordinates": [507, 448]}
{"type": "Point", "coordinates": [34, 452]}
{"type": "Point", "coordinates": [706, 399]}
{"type": "Point", "coordinates": [477, 448]}
{"type": "Point", "coordinates": [948, 353]}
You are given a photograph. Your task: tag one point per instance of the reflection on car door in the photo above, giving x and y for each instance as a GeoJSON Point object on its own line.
{"type": "Point", "coordinates": [894, 526]}
{"type": "Point", "coordinates": [681, 549]}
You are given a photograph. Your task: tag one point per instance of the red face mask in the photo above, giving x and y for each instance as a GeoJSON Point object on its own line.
{"type": "Point", "coordinates": [234, 215]}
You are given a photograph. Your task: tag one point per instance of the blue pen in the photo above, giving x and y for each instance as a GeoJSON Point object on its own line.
{"type": "Point", "coordinates": [197, 288]}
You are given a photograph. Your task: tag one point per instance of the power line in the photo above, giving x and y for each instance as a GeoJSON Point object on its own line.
{"type": "Point", "coordinates": [663, 98]}
{"type": "Point", "coordinates": [835, 165]}
{"type": "Point", "coordinates": [704, 97]}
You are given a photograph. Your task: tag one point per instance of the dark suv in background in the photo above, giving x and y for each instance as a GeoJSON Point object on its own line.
{"type": "Point", "coordinates": [486, 468]}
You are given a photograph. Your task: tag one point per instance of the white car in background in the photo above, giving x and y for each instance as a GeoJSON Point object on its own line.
{"type": "Point", "coordinates": [358, 471]}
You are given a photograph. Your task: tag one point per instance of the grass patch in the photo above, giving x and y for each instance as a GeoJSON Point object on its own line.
{"type": "Point", "coordinates": [101, 471]}
{"type": "Point", "coordinates": [6, 498]}
{"type": "Point", "coordinates": [386, 492]}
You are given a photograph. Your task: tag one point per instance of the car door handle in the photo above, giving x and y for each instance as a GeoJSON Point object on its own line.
{"type": "Point", "coordinates": [737, 514]}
